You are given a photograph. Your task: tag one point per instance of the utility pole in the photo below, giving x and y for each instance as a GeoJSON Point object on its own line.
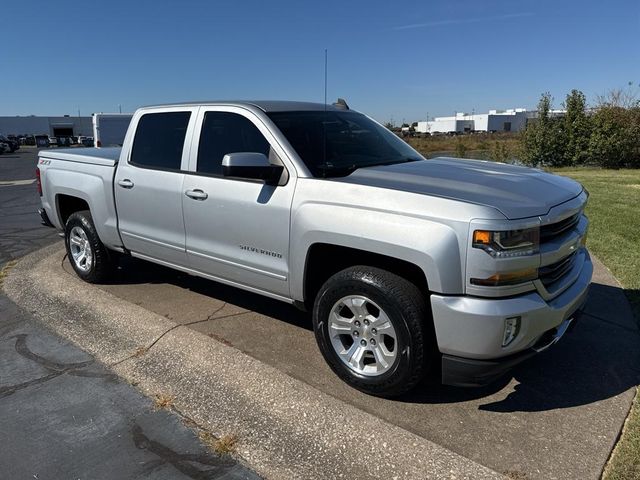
{"type": "Point", "coordinates": [119, 108]}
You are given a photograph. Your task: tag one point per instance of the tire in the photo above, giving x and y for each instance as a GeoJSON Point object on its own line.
{"type": "Point", "coordinates": [381, 298]}
{"type": "Point", "coordinates": [81, 239]}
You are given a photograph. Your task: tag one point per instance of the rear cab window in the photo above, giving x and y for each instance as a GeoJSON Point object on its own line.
{"type": "Point", "coordinates": [159, 140]}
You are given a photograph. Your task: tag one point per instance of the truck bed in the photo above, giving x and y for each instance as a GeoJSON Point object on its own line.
{"type": "Point", "coordinates": [107, 157]}
{"type": "Point", "coordinates": [85, 174]}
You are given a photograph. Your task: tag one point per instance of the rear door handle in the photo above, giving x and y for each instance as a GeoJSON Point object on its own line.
{"type": "Point", "coordinates": [196, 194]}
{"type": "Point", "coordinates": [125, 183]}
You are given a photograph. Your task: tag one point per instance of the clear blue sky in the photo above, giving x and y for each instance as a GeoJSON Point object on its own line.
{"type": "Point", "coordinates": [397, 60]}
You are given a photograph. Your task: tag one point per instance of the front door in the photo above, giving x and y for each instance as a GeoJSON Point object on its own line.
{"type": "Point", "coordinates": [236, 230]}
{"type": "Point", "coordinates": [148, 185]}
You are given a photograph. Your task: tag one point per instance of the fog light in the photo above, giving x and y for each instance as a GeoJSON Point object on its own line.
{"type": "Point", "coordinates": [511, 329]}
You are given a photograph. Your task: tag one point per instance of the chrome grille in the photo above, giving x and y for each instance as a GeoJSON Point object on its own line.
{"type": "Point", "coordinates": [554, 230]}
{"type": "Point", "coordinates": [554, 272]}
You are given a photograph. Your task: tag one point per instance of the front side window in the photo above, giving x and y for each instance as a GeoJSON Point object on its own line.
{"type": "Point", "coordinates": [223, 133]}
{"type": "Point", "coordinates": [335, 143]}
{"type": "Point", "coordinates": [159, 140]}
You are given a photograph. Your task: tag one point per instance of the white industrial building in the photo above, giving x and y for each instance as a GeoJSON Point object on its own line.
{"type": "Point", "coordinates": [65, 126]}
{"type": "Point", "coordinates": [512, 120]}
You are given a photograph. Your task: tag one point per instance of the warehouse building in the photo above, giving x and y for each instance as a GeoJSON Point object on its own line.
{"type": "Point", "coordinates": [512, 120]}
{"type": "Point", "coordinates": [65, 126]}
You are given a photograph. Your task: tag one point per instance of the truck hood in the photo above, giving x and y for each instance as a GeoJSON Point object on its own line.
{"type": "Point", "coordinates": [517, 192]}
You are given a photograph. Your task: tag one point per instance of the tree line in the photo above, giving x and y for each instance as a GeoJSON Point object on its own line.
{"type": "Point", "coordinates": [607, 135]}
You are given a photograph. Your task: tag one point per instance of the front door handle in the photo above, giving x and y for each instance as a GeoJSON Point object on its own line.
{"type": "Point", "coordinates": [196, 194]}
{"type": "Point", "coordinates": [125, 183]}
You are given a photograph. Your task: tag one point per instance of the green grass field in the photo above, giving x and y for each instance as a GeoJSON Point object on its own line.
{"type": "Point", "coordinates": [614, 232]}
{"type": "Point", "coordinates": [614, 237]}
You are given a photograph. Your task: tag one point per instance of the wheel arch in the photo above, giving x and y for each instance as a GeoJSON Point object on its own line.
{"type": "Point", "coordinates": [325, 259]}
{"type": "Point", "coordinates": [67, 204]}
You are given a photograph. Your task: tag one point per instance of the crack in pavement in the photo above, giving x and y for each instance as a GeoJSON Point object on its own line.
{"type": "Point", "coordinates": [183, 462]}
{"type": "Point", "coordinates": [55, 368]}
{"type": "Point", "coordinates": [144, 350]}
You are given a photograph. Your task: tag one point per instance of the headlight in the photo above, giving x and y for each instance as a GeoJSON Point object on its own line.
{"type": "Point", "coordinates": [506, 244]}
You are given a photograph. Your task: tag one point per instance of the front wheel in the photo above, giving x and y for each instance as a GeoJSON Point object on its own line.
{"type": "Point", "coordinates": [370, 327]}
{"type": "Point", "coordinates": [88, 256]}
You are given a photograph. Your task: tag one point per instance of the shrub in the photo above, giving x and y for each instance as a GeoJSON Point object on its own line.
{"type": "Point", "coordinates": [615, 140]}
{"type": "Point", "coordinates": [461, 149]}
{"type": "Point", "coordinates": [577, 129]}
{"type": "Point", "coordinates": [499, 152]}
{"type": "Point", "coordinates": [544, 138]}
{"type": "Point", "coordinates": [608, 136]}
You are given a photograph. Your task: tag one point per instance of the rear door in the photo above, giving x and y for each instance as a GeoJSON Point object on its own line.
{"type": "Point", "coordinates": [148, 184]}
{"type": "Point", "coordinates": [237, 230]}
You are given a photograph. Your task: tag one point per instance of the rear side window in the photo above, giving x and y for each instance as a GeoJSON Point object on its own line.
{"type": "Point", "coordinates": [159, 140]}
{"type": "Point", "coordinates": [222, 133]}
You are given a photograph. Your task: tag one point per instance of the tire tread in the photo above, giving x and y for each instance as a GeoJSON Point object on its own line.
{"type": "Point", "coordinates": [415, 313]}
{"type": "Point", "coordinates": [102, 265]}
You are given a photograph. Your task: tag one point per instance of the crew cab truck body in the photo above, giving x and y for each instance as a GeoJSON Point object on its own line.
{"type": "Point", "coordinates": [409, 265]}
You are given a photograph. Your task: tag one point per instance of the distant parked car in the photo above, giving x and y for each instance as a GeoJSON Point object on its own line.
{"type": "Point", "coordinates": [86, 141]}
{"type": "Point", "coordinates": [4, 147]}
{"type": "Point", "coordinates": [53, 141]}
{"type": "Point", "coordinates": [28, 140]}
{"type": "Point", "coordinates": [13, 144]}
{"type": "Point", "coordinates": [64, 141]}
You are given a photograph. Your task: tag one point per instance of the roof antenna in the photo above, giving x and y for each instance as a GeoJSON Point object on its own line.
{"type": "Point", "coordinates": [325, 79]}
{"type": "Point", "coordinates": [324, 120]}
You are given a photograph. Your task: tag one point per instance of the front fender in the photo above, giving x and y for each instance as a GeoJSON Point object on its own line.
{"type": "Point", "coordinates": [432, 246]}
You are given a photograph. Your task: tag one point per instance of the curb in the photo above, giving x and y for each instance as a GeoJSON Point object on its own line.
{"type": "Point", "coordinates": [286, 429]}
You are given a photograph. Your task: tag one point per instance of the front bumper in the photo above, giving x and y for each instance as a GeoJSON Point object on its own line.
{"type": "Point", "coordinates": [469, 330]}
{"type": "Point", "coordinates": [467, 372]}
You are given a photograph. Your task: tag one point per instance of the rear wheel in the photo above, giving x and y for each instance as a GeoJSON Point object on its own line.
{"type": "Point", "coordinates": [370, 327]}
{"type": "Point", "coordinates": [88, 256]}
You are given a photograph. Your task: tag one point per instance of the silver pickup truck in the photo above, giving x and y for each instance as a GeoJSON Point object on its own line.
{"type": "Point", "coordinates": [462, 268]}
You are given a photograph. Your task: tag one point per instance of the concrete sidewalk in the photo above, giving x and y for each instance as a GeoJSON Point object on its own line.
{"type": "Point", "coordinates": [286, 428]}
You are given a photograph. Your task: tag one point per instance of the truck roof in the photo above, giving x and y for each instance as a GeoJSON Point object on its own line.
{"type": "Point", "coordinates": [264, 105]}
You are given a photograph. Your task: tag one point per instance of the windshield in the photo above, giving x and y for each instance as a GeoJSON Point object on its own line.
{"type": "Point", "coordinates": [337, 143]}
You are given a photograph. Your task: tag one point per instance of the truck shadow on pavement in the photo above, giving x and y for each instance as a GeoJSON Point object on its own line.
{"type": "Point", "coordinates": [136, 272]}
{"type": "Point", "coordinates": [598, 359]}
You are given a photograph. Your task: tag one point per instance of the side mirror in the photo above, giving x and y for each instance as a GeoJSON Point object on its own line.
{"type": "Point", "coordinates": [251, 165]}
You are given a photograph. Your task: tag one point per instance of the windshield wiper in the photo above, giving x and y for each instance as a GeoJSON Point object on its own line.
{"type": "Point", "coordinates": [392, 162]}
{"type": "Point", "coordinates": [330, 170]}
